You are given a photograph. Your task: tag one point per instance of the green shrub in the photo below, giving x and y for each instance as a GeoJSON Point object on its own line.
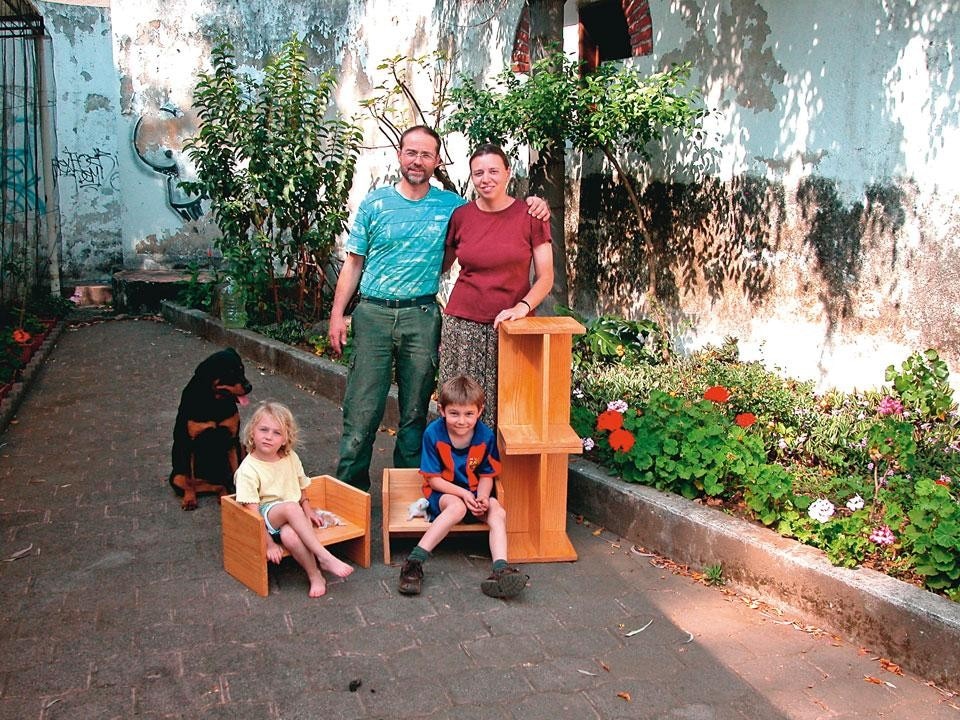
{"type": "Point", "coordinates": [871, 478]}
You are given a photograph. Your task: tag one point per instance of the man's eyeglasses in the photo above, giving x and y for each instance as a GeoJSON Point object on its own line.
{"type": "Point", "coordinates": [424, 156]}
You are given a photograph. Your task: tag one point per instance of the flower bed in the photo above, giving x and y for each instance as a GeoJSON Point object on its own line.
{"type": "Point", "coordinates": [870, 478]}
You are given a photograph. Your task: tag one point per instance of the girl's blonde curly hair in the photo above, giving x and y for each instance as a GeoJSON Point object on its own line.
{"type": "Point", "coordinates": [282, 415]}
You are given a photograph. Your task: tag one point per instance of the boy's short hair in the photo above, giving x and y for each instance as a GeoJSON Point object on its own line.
{"type": "Point", "coordinates": [461, 390]}
{"type": "Point", "coordinates": [279, 412]}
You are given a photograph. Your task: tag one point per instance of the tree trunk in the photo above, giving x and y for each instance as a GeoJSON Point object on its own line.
{"type": "Point", "coordinates": [548, 168]}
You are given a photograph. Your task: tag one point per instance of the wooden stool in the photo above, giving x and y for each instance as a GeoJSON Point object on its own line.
{"type": "Point", "coordinates": [245, 545]}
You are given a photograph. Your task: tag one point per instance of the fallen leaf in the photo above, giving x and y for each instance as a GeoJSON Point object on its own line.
{"type": "Point", "coordinates": [624, 696]}
{"type": "Point", "coordinates": [638, 630]}
{"type": "Point", "coordinates": [598, 531]}
{"type": "Point", "coordinates": [604, 665]}
{"type": "Point", "coordinates": [20, 553]}
{"type": "Point", "coordinates": [890, 666]}
{"type": "Point", "coordinates": [871, 679]}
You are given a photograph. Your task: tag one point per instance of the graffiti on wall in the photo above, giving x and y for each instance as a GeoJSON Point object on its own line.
{"type": "Point", "coordinates": [21, 185]}
{"type": "Point", "coordinates": [94, 169]}
{"type": "Point", "coordinates": [158, 141]}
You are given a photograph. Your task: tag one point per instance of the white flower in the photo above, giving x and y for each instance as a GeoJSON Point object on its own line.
{"type": "Point", "coordinates": [588, 444]}
{"type": "Point", "coordinates": [855, 503]}
{"type": "Point", "coordinates": [782, 444]}
{"type": "Point", "coordinates": [821, 510]}
{"type": "Point", "coordinates": [619, 405]}
{"type": "Point", "coordinates": [578, 393]}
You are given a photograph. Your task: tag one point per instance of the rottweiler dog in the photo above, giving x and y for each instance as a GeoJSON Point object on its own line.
{"type": "Point", "coordinates": [206, 436]}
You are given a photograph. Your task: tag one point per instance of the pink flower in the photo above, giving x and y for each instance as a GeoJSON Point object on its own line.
{"type": "Point", "coordinates": [882, 536]}
{"type": "Point", "coordinates": [890, 406]}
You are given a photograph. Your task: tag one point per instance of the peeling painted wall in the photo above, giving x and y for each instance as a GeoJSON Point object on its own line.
{"type": "Point", "coordinates": [819, 224]}
{"type": "Point", "coordinates": [143, 58]}
{"type": "Point", "coordinates": [822, 225]}
{"type": "Point", "coordinates": [86, 162]}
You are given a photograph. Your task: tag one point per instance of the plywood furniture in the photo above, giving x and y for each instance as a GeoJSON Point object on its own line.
{"type": "Point", "coordinates": [244, 542]}
{"type": "Point", "coordinates": [401, 487]}
{"type": "Point", "coordinates": [535, 437]}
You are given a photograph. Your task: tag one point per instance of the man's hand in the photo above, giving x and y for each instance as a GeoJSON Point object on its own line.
{"type": "Point", "coordinates": [538, 207]}
{"type": "Point", "coordinates": [337, 334]}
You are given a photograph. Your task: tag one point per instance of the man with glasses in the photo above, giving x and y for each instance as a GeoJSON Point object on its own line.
{"type": "Point", "coordinates": [394, 253]}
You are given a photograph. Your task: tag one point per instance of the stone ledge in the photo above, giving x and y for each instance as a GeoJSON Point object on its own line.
{"type": "Point", "coordinates": [914, 628]}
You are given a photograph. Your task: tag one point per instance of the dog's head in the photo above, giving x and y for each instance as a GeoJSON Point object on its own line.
{"type": "Point", "coordinates": [223, 372]}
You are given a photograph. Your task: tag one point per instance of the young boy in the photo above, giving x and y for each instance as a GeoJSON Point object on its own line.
{"type": "Point", "coordinates": [458, 462]}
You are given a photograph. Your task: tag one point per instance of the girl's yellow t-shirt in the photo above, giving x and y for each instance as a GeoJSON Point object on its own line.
{"type": "Point", "coordinates": [260, 482]}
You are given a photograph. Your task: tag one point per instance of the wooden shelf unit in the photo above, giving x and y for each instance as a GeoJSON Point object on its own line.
{"type": "Point", "coordinates": [535, 437]}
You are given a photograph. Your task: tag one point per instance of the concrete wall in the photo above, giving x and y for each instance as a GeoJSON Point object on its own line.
{"type": "Point", "coordinates": [821, 227]}
{"type": "Point", "coordinates": [87, 154]}
{"type": "Point", "coordinates": [125, 76]}
{"type": "Point", "coordinates": [818, 224]}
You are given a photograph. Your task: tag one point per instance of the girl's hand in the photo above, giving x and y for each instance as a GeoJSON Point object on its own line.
{"type": "Point", "coordinates": [274, 552]}
{"type": "Point", "coordinates": [484, 503]}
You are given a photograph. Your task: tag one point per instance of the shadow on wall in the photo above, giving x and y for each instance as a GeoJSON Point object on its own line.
{"type": "Point", "coordinates": [718, 237]}
{"type": "Point", "coordinates": [707, 236]}
{"type": "Point", "coordinates": [840, 237]}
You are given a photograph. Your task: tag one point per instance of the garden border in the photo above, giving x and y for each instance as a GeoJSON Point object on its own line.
{"type": "Point", "coordinates": [916, 629]}
{"type": "Point", "coordinates": [11, 403]}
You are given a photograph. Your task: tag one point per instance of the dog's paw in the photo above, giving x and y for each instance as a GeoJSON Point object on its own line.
{"type": "Point", "coordinates": [418, 508]}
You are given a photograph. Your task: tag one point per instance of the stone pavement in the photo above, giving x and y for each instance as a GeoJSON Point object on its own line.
{"type": "Point", "coordinates": [115, 604]}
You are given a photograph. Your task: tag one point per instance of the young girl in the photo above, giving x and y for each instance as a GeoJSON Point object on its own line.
{"type": "Point", "coordinates": [271, 477]}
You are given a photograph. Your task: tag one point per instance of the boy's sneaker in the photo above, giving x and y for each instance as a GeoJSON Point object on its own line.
{"type": "Point", "coordinates": [411, 577]}
{"type": "Point", "coordinates": [506, 583]}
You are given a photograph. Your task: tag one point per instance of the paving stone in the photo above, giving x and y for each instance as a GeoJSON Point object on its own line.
{"type": "Point", "coordinates": [122, 609]}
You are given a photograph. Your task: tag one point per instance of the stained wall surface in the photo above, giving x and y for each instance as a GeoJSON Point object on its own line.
{"type": "Point", "coordinates": [818, 223]}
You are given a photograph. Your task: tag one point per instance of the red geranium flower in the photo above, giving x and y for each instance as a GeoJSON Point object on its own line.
{"type": "Point", "coordinates": [21, 336]}
{"type": "Point", "coordinates": [717, 394]}
{"type": "Point", "coordinates": [745, 420]}
{"type": "Point", "coordinates": [621, 440]}
{"type": "Point", "coordinates": [609, 420]}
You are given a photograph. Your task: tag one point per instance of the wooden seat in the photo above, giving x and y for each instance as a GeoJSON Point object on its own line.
{"type": "Point", "coordinates": [402, 486]}
{"type": "Point", "coordinates": [244, 541]}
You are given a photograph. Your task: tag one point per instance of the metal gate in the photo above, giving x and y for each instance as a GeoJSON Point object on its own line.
{"type": "Point", "coordinates": [29, 261]}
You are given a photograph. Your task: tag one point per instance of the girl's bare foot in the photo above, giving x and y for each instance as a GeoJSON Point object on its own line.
{"type": "Point", "coordinates": [334, 566]}
{"type": "Point", "coordinates": [318, 586]}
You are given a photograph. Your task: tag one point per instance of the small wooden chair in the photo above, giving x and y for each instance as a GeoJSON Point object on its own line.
{"type": "Point", "coordinates": [244, 542]}
{"type": "Point", "coordinates": [402, 486]}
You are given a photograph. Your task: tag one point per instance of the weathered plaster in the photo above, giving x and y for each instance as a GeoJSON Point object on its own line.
{"type": "Point", "coordinates": [85, 163]}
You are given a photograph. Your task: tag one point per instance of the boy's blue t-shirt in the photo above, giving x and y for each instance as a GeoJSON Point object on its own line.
{"type": "Point", "coordinates": [402, 241]}
{"type": "Point", "coordinates": [463, 466]}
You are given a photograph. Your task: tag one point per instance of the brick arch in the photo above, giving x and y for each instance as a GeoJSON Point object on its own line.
{"type": "Point", "coordinates": [639, 24]}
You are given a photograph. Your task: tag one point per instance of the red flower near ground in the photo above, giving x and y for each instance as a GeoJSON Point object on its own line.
{"type": "Point", "coordinates": [745, 420]}
{"type": "Point", "coordinates": [717, 394]}
{"type": "Point", "coordinates": [21, 336]}
{"type": "Point", "coordinates": [621, 440]}
{"type": "Point", "coordinates": [609, 420]}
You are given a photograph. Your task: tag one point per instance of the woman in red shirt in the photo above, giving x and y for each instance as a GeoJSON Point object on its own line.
{"type": "Point", "coordinates": [495, 241]}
